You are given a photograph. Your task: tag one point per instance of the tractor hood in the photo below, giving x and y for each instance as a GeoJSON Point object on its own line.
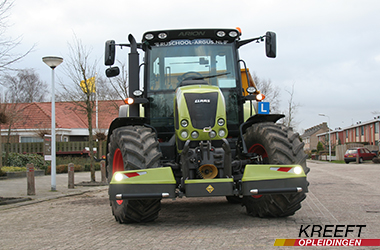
{"type": "Point", "coordinates": [200, 113]}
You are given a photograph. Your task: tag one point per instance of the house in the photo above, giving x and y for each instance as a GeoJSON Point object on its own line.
{"type": "Point", "coordinates": [309, 137]}
{"type": "Point", "coordinates": [32, 120]}
{"type": "Point", "coordinates": [366, 133]}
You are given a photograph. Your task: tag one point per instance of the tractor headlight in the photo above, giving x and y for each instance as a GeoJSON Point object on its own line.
{"type": "Point", "coordinates": [221, 33]}
{"type": "Point", "coordinates": [162, 35]}
{"type": "Point", "coordinates": [297, 170]}
{"type": "Point", "coordinates": [129, 101]}
{"type": "Point", "coordinates": [184, 123]}
{"type": "Point", "coordinates": [251, 90]}
{"type": "Point", "coordinates": [194, 134]}
{"type": "Point", "coordinates": [137, 93]}
{"type": "Point", "coordinates": [184, 134]}
{"type": "Point", "coordinates": [260, 97]}
{"type": "Point", "coordinates": [222, 133]}
{"type": "Point", "coordinates": [118, 177]}
{"type": "Point", "coordinates": [233, 34]}
{"type": "Point", "coordinates": [220, 121]}
{"type": "Point", "coordinates": [149, 36]}
{"type": "Point", "coordinates": [212, 134]}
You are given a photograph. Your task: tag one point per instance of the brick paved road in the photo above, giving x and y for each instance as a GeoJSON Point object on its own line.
{"type": "Point", "coordinates": [339, 195]}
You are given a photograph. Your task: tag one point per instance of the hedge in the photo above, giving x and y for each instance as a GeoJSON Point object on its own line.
{"type": "Point", "coordinates": [87, 167]}
{"type": "Point", "coordinates": [63, 169]}
{"type": "Point", "coordinates": [20, 160]}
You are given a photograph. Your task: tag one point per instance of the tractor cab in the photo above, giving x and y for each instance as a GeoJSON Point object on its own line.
{"type": "Point", "coordinates": [177, 58]}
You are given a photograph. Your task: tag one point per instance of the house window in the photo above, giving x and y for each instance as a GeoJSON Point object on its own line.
{"type": "Point", "coordinates": [357, 131]}
{"type": "Point", "coordinates": [31, 139]}
{"type": "Point", "coordinates": [346, 133]}
{"type": "Point", "coordinates": [376, 127]}
{"type": "Point", "coordinates": [362, 130]}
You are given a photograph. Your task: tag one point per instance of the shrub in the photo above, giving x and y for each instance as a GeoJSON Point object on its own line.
{"type": "Point", "coordinates": [20, 160]}
{"type": "Point", "coordinates": [13, 169]}
{"type": "Point", "coordinates": [79, 160]}
{"type": "Point", "coordinates": [62, 168]}
{"type": "Point", "coordinates": [320, 146]}
{"type": "Point", "coordinates": [87, 167]}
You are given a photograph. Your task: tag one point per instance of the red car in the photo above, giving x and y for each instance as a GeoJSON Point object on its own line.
{"type": "Point", "coordinates": [364, 155]}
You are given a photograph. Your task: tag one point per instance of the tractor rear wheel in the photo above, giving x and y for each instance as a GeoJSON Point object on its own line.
{"type": "Point", "coordinates": [133, 147]}
{"type": "Point", "coordinates": [277, 145]}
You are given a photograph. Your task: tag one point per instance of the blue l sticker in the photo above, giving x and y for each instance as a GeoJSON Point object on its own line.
{"type": "Point", "coordinates": [263, 108]}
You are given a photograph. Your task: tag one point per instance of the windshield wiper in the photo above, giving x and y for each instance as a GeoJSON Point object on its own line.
{"type": "Point", "coordinates": [210, 76]}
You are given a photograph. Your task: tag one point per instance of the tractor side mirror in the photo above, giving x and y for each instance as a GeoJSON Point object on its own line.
{"type": "Point", "coordinates": [112, 71]}
{"type": "Point", "coordinates": [109, 55]}
{"type": "Point", "coordinates": [270, 44]}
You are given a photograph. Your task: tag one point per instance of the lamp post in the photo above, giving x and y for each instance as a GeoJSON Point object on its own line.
{"type": "Point", "coordinates": [53, 62]}
{"type": "Point", "coordinates": [329, 134]}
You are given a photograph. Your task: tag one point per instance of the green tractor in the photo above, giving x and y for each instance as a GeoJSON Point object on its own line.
{"type": "Point", "coordinates": [197, 127]}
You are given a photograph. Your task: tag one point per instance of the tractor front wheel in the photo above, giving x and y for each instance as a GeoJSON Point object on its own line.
{"type": "Point", "coordinates": [278, 145]}
{"type": "Point", "coordinates": [133, 147]}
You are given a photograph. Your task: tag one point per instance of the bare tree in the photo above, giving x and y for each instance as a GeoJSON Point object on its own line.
{"type": "Point", "coordinates": [25, 86]}
{"type": "Point", "coordinates": [3, 120]}
{"type": "Point", "coordinates": [120, 82]}
{"type": "Point", "coordinates": [291, 111]}
{"type": "Point", "coordinates": [12, 113]}
{"type": "Point", "coordinates": [106, 91]}
{"type": "Point", "coordinates": [271, 92]}
{"type": "Point", "coordinates": [7, 45]}
{"type": "Point", "coordinates": [81, 70]}
{"type": "Point", "coordinates": [7, 57]}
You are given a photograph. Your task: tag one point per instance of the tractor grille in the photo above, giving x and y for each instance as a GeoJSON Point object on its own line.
{"type": "Point", "coordinates": [202, 108]}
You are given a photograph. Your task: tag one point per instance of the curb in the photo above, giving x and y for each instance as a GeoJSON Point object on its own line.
{"type": "Point", "coordinates": [14, 200]}
{"type": "Point", "coordinates": [11, 175]}
{"type": "Point", "coordinates": [29, 201]}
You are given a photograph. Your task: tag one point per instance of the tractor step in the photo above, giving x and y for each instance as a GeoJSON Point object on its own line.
{"type": "Point", "coordinates": [275, 190]}
{"type": "Point", "coordinates": [142, 196]}
{"type": "Point", "coordinates": [152, 183]}
{"type": "Point", "coordinates": [273, 179]}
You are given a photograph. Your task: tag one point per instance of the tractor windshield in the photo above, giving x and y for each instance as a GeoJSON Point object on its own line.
{"type": "Point", "coordinates": [180, 59]}
{"type": "Point", "coordinates": [172, 62]}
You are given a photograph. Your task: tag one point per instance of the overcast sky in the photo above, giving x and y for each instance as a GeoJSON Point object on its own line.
{"type": "Point", "coordinates": [329, 50]}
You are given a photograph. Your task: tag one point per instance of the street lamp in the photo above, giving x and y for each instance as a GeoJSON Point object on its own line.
{"type": "Point", "coordinates": [53, 62]}
{"type": "Point", "coordinates": [329, 134]}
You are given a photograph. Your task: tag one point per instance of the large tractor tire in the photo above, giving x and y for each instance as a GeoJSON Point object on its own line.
{"type": "Point", "coordinates": [133, 147]}
{"type": "Point", "coordinates": [277, 145]}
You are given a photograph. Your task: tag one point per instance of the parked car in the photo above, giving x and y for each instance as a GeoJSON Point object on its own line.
{"type": "Point", "coordinates": [364, 155]}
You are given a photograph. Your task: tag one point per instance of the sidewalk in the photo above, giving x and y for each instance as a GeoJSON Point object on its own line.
{"type": "Point", "coordinates": [17, 187]}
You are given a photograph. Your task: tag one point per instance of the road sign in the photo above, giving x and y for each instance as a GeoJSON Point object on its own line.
{"type": "Point", "coordinates": [47, 147]}
{"type": "Point", "coordinates": [263, 108]}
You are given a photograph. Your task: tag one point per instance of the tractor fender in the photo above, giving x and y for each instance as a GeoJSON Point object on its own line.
{"type": "Point", "coordinates": [258, 118]}
{"type": "Point", "coordinates": [123, 111]}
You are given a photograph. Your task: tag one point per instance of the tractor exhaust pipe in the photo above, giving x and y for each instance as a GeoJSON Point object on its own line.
{"type": "Point", "coordinates": [133, 69]}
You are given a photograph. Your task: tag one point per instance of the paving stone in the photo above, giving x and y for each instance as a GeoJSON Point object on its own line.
{"type": "Point", "coordinates": [339, 195]}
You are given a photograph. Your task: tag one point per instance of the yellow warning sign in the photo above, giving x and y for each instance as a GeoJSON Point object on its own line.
{"type": "Point", "coordinates": [210, 189]}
